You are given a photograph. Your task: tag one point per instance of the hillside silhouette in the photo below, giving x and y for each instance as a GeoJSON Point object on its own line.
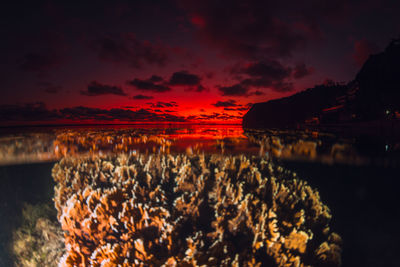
{"type": "Point", "coordinates": [374, 95]}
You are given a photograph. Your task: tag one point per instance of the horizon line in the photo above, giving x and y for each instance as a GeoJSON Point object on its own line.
{"type": "Point", "coordinates": [112, 124]}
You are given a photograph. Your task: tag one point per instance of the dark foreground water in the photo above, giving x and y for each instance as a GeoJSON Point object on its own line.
{"type": "Point", "coordinates": [364, 204]}
{"type": "Point", "coordinates": [358, 183]}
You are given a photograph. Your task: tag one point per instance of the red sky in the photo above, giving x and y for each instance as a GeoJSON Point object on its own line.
{"type": "Point", "coordinates": [177, 61]}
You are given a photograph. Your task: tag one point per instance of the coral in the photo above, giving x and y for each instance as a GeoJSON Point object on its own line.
{"type": "Point", "coordinates": [189, 210]}
{"type": "Point", "coordinates": [39, 240]}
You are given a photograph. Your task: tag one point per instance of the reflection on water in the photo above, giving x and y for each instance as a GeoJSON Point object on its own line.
{"type": "Point", "coordinates": [199, 195]}
{"type": "Point", "coordinates": [38, 145]}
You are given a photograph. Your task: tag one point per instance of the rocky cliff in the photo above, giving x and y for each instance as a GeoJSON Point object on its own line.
{"type": "Point", "coordinates": [374, 94]}
{"type": "Point", "coordinates": [289, 111]}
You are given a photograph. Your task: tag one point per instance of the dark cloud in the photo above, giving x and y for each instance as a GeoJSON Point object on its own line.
{"type": "Point", "coordinates": [237, 109]}
{"type": "Point", "coordinates": [198, 88]}
{"type": "Point", "coordinates": [96, 89]}
{"type": "Point", "coordinates": [184, 78]}
{"type": "Point", "coordinates": [142, 97]}
{"type": "Point", "coordinates": [156, 83]}
{"type": "Point", "coordinates": [301, 70]}
{"type": "Point", "coordinates": [362, 50]}
{"type": "Point", "coordinates": [27, 112]}
{"type": "Point", "coordinates": [128, 49]}
{"type": "Point", "coordinates": [213, 116]}
{"type": "Point", "coordinates": [261, 28]}
{"type": "Point", "coordinates": [116, 114]}
{"type": "Point", "coordinates": [234, 90]}
{"type": "Point", "coordinates": [230, 109]}
{"type": "Point", "coordinates": [262, 74]}
{"type": "Point", "coordinates": [269, 74]}
{"type": "Point", "coordinates": [155, 79]}
{"type": "Point", "coordinates": [160, 104]}
{"type": "Point", "coordinates": [231, 105]}
{"type": "Point", "coordinates": [228, 103]}
{"type": "Point", "coordinates": [38, 112]}
{"type": "Point", "coordinates": [190, 80]}
{"type": "Point", "coordinates": [242, 108]}
{"type": "Point", "coordinates": [257, 93]}
{"type": "Point", "coordinates": [153, 84]}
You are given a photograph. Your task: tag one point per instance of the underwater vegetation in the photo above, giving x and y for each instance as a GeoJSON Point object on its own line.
{"type": "Point", "coordinates": [189, 210]}
{"type": "Point", "coordinates": [39, 240]}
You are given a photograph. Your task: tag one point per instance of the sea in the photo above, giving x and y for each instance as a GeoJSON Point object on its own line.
{"type": "Point", "coordinates": [202, 219]}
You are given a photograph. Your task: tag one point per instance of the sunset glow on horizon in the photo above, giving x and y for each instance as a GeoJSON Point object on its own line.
{"type": "Point", "coordinates": [174, 61]}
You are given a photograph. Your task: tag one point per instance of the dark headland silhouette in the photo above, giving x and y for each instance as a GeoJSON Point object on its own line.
{"type": "Point", "coordinates": [371, 99]}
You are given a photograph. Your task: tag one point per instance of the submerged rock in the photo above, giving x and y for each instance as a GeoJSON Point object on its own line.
{"type": "Point", "coordinates": [190, 210]}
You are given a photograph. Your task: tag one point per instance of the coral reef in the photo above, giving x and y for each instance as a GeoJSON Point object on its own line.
{"type": "Point", "coordinates": [189, 210]}
{"type": "Point", "coordinates": [39, 240]}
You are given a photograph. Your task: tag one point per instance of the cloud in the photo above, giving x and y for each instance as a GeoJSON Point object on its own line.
{"type": "Point", "coordinates": [129, 50]}
{"type": "Point", "coordinates": [257, 93]}
{"type": "Point", "coordinates": [199, 88]}
{"type": "Point", "coordinates": [117, 114]}
{"type": "Point", "coordinates": [237, 109]}
{"type": "Point", "coordinates": [190, 80]}
{"type": "Point", "coordinates": [153, 84]}
{"type": "Point", "coordinates": [269, 74]}
{"type": "Point", "coordinates": [301, 70]}
{"type": "Point", "coordinates": [161, 104]}
{"type": "Point", "coordinates": [96, 89]}
{"type": "Point", "coordinates": [228, 103]}
{"type": "Point", "coordinates": [362, 50]}
{"type": "Point", "coordinates": [260, 28]}
{"type": "Point", "coordinates": [233, 90]}
{"type": "Point", "coordinates": [231, 105]}
{"type": "Point", "coordinates": [184, 78]}
{"type": "Point", "coordinates": [36, 111]}
{"type": "Point", "coordinates": [142, 97]}
{"type": "Point", "coordinates": [262, 74]}
{"type": "Point", "coordinates": [213, 116]}
{"type": "Point", "coordinates": [155, 79]}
